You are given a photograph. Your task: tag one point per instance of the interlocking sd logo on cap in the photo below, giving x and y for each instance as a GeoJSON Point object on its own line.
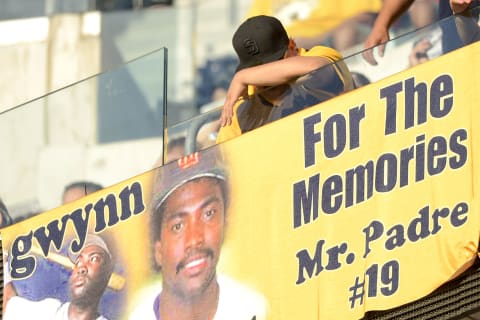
{"type": "Point", "coordinates": [251, 46]}
{"type": "Point", "coordinates": [258, 40]}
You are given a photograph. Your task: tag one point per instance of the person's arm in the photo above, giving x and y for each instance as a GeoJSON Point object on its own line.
{"type": "Point", "coordinates": [460, 6]}
{"type": "Point", "coordinates": [231, 131]}
{"type": "Point", "coordinates": [390, 11]}
{"type": "Point", "coordinates": [467, 28]}
{"type": "Point", "coordinates": [269, 74]}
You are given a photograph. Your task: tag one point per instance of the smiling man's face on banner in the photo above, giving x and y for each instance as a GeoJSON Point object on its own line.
{"type": "Point", "coordinates": [192, 232]}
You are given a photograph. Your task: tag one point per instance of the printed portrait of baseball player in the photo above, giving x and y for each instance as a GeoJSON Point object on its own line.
{"type": "Point", "coordinates": [187, 228]}
{"type": "Point", "coordinates": [90, 275]}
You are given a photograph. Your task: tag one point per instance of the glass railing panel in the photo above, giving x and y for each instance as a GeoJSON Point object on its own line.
{"type": "Point", "coordinates": [48, 53]}
{"type": "Point", "coordinates": [197, 34]}
{"type": "Point", "coordinates": [52, 51]}
{"type": "Point", "coordinates": [198, 37]}
{"type": "Point", "coordinates": [400, 54]}
{"type": "Point", "coordinates": [104, 129]}
{"type": "Point", "coordinates": [192, 135]}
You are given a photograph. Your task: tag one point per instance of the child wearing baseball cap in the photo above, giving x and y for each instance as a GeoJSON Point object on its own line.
{"type": "Point", "coordinates": [268, 57]}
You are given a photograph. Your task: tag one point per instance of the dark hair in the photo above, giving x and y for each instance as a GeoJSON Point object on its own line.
{"type": "Point", "coordinates": [88, 186]}
{"type": "Point", "coordinates": [176, 142]}
{"type": "Point", "coordinates": [156, 219]}
{"type": "Point", "coordinates": [6, 219]}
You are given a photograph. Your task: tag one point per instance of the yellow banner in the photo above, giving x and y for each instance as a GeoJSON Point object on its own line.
{"type": "Point", "coordinates": [365, 202]}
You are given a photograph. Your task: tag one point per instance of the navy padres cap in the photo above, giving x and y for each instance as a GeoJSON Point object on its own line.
{"type": "Point", "coordinates": [170, 177]}
{"type": "Point", "coordinates": [260, 39]}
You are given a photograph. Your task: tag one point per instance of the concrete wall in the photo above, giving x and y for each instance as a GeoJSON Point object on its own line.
{"type": "Point", "coordinates": [43, 55]}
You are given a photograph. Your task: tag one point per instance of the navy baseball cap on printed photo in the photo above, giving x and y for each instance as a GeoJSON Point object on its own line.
{"type": "Point", "coordinates": [91, 240]}
{"type": "Point", "coordinates": [258, 40]}
{"type": "Point", "coordinates": [170, 177]}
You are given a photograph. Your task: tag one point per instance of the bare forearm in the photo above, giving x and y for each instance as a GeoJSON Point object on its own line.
{"type": "Point", "coordinates": [467, 28]}
{"type": "Point", "coordinates": [267, 75]}
{"type": "Point", "coordinates": [391, 10]}
{"type": "Point", "coordinates": [278, 72]}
